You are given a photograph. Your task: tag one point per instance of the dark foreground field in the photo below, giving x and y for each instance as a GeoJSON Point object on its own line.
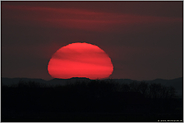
{"type": "Point", "coordinates": [90, 101]}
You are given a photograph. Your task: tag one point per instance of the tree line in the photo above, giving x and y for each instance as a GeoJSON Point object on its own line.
{"type": "Point", "coordinates": [93, 96]}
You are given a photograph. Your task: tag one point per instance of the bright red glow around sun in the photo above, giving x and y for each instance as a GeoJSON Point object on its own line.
{"type": "Point", "coordinates": [80, 60]}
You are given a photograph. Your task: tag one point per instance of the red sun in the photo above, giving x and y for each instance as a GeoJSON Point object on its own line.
{"type": "Point", "coordinates": [80, 60]}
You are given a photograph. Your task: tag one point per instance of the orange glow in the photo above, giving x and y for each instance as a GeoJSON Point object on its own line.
{"type": "Point", "coordinates": [80, 60]}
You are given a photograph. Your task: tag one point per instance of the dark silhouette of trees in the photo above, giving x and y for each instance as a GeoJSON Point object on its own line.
{"type": "Point", "coordinates": [125, 88]}
{"type": "Point", "coordinates": [95, 96]}
{"type": "Point", "coordinates": [143, 88]}
{"type": "Point", "coordinates": [152, 90]}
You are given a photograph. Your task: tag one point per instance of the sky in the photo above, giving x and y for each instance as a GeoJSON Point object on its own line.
{"type": "Point", "coordinates": [143, 39]}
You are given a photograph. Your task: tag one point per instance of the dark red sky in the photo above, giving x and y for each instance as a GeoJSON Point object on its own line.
{"type": "Point", "coordinates": [143, 39]}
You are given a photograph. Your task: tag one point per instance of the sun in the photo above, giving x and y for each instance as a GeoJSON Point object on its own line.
{"type": "Point", "coordinates": [80, 60]}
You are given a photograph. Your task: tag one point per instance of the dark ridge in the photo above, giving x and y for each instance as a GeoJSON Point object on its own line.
{"type": "Point", "coordinates": [73, 78]}
{"type": "Point", "coordinates": [79, 78]}
{"type": "Point", "coordinates": [158, 79]}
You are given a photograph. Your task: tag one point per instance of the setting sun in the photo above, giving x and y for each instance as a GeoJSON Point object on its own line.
{"type": "Point", "coordinates": [80, 60]}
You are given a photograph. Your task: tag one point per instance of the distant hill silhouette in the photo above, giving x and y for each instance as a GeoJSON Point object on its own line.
{"type": "Point", "coordinates": [80, 78]}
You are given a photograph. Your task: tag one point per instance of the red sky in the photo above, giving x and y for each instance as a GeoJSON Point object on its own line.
{"type": "Point", "coordinates": [143, 39]}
